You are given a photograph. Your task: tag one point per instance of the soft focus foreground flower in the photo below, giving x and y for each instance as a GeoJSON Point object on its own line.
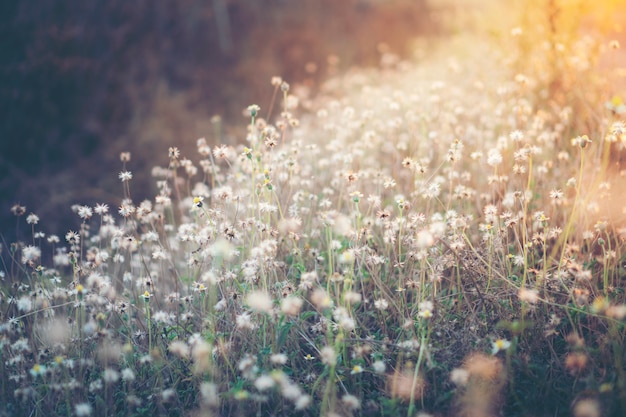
{"type": "Point", "coordinates": [278, 359]}
{"type": "Point", "coordinates": [180, 349]}
{"type": "Point", "coordinates": [588, 407]}
{"type": "Point", "coordinates": [328, 355]}
{"type": "Point", "coordinates": [351, 402]}
{"type": "Point", "coordinates": [128, 374]}
{"type": "Point", "coordinates": [425, 239]}
{"type": "Point", "coordinates": [260, 301]}
{"type": "Point", "coordinates": [264, 382]}
{"type": "Point", "coordinates": [83, 409]}
{"type": "Point", "coordinates": [405, 385]}
{"type": "Point", "coordinates": [379, 367]}
{"type": "Point", "coordinates": [494, 157]}
{"type": "Point", "coordinates": [30, 254]}
{"type": "Point", "coordinates": [529, 296]}
{"type": "Point", "coordinates": [320, 299]}
{"type": "Point", "coordinates": [291, 305]}
{"type": "Point", "coordinates": [381, 304]}
{"type": "Point", "coordinates": [459, 376]}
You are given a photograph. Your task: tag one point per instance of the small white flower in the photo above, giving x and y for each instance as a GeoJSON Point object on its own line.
{"type": "Point", "coordinates": [168, 394]}
{"type": "Point", "coordinates": [529, 296]}
{"type": "Point", "coordinates": [32, 218]}
{"type": "Point", "coordinates": [328, 355]}
{"type": "Point", "coordinates": [498, 345]}
{"type": "Point", "coordinates": [459, 376]}
{"type": "Point", "coordinates": [278, 359]}
{"type": "Point", "coordinates": [85, 212]}
{"type": "Point", "coordinates": [179, 348]}
{"type": "Point", "coordinates": [351, 402]}
{"type": "Point", "coordinates": [381, 304]}
{"type": "Point", "coordinates": [244, 322]}
{"type": "Point", "coordinates": [125, 176]}
{"type": "Point", "coordinates": [83, 409]}
{"type": "Point", "coordinates": [102, 209]}
{"type": "Point", "coordinates": [260, 301]}
{"type": "Point", "coordinates": [347, 257]}
{"type": "Point", "coordinates": [291, 306]}
{"type": "Point", "coordinates": [110, 375]}
{"type": "Point", "coordinates": [425, 309]}
{"type": "Point", "coordinates": [425, 239]}
{"type": "Point", "coordinates": [128, 375]}
{"type": "Point", "coordinates": [379, 367]}
{"type": "Point", "coordinates": [264, 382]}
{"type": "Point", "coordinates": [30, 253]}
{"type": "Point", "coordinates": [302, 402]}
{"type": "Point", "coordinates": [516, 136]}
{"type": "Point", "coordinates": [356, 369]}
{"type": "Point", "coordinates": [494, 157]}
{"type": "Point", "coordinates": [159, 254]}
{"type": "Point", "coordinates": [24, 304]}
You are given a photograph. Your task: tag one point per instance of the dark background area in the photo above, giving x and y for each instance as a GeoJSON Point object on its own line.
{"type": "Point", "coordinates": [81, 81]}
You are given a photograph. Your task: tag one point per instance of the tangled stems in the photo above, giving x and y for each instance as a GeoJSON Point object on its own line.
{"type": "Point", "coordinates": [146, 297]}
{"type": "Point", "coordinates": [80, 316]}
{"type": "Point", "coordinates": [329, 391]}
{"type": "Point", "coordinates": [618, 359]}
{"type": "Point", "coordinates": [583, 142]}
{"type": "Point", "coordinates": [424, 330]}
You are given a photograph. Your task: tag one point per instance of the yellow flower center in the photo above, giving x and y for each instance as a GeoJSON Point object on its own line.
{"type": "Point", "coordinates": [617, 101]}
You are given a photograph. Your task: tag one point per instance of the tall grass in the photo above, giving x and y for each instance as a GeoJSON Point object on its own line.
{"type": "Point", "coordinates": [439, 239]}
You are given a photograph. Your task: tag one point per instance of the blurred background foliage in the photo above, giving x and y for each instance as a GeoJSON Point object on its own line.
{"type": "Point", "coordinates": [82, 81]}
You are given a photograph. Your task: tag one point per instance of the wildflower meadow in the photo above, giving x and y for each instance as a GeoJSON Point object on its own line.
{"type": "Point", "coordinates": [443, 235]}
